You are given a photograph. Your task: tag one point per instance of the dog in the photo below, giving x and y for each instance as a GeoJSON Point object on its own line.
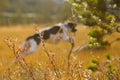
{"type": "Point", "coordinates": [56, 33]}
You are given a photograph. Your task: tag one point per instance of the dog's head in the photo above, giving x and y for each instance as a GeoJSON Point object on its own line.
{"type": "Point", "coordinates": [72, 26]}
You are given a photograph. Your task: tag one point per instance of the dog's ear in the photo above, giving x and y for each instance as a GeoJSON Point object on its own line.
{"type": "Point", "coordinates": [71, 24]}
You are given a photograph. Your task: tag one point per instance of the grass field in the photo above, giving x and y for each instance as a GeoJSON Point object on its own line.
{"type": "Point", "coordinates": [39, 62]}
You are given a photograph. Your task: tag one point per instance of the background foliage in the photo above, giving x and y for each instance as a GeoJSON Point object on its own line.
{"type": "Point", "coordinates": [102, 16]}
{"type": "Point", "coordinates": [33, 11]}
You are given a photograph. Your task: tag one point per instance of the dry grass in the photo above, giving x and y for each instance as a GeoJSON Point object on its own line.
{"type": "Point", "coordinates": [40, 66]}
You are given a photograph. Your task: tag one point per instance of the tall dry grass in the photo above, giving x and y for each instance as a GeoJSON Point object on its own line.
{"type": "Point", "coordinates": [50, 61]}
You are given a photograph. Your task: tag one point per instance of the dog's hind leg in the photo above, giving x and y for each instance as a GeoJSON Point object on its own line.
{"type": "Point", "coordinates": [27, 48]}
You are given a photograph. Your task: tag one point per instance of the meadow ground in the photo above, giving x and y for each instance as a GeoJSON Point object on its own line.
{"type": "Point", "coordinates": [59, 51]}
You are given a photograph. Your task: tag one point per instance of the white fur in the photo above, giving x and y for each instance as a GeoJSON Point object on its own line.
{"type": "Point", "coordinates": [32, 47]}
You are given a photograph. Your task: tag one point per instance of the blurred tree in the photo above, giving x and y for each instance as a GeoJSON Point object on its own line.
{"type": "Point", "coordinates": [49, 10]}
{"type": "Point", "coordinates": [3, 4]}
{"type": "Point", "coordinates": [117, 2]}
{"type": "Point", "coordinates": [101, 15]}
{"type": "Point", "coordinates": [64, 12]}
{"type": "Point", "coordinates": [33, 11]}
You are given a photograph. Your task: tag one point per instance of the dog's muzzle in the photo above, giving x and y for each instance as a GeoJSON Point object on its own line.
{"type": "Point", "coordinates": [74, 30]}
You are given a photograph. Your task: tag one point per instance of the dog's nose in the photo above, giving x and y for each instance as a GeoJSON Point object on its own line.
{"type": "Point", "coordinates": [74, 30]}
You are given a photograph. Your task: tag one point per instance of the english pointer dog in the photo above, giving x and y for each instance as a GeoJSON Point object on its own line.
{"type": "Point", "coordinates": [54, 33]}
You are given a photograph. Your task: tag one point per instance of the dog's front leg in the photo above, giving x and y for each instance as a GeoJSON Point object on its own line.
{"type": "Point", "coordinates": [71, 40]}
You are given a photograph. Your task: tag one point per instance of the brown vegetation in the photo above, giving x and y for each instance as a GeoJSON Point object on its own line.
{"type": "Point", "coordinates": [50, 62]}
